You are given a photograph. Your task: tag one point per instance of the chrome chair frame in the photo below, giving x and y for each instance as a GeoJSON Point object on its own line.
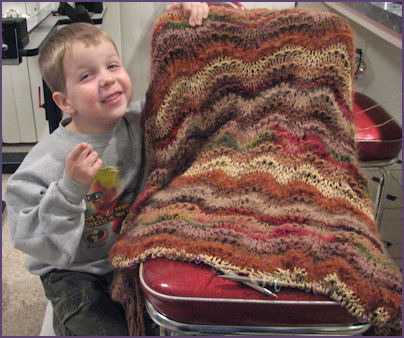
{"type": "Point", "coordinates": [384, 178]}
{"type": "Point", "coordinates": [169, 327]}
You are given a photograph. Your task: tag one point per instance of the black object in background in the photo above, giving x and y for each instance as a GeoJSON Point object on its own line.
{"type": "Point", "coordinates": [53, 113]}
{"type": "Point", "coordinates": [78, 14]}
{"type": "Point", "coordinates": [95, 7]}
{"type": "Point", "coordinates": [11, 161]}
{"type": "Point", "coordinates": [15, 38]}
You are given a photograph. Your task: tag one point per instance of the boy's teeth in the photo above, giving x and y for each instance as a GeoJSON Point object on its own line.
{"type": "Point", "coordinates": [112, 97]}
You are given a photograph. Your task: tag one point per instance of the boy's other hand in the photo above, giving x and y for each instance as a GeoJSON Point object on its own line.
{"type": "Point", "coordinates": [82, 164]}
{"type": "Point", "coordinates": [196, 11]}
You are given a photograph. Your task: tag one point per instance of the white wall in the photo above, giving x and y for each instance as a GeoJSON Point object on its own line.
{"type": "Point", "coordinates": [111, 23]}
{"type": "Point", "coordinates": [137, 21]}
{"type": "Point", "coordinates": [130, 24]}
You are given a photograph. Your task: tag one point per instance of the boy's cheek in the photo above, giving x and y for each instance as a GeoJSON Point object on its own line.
{"type": "Point", "coordinates": [130, 91]}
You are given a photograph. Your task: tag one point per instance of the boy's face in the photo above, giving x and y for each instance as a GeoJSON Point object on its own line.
{"type": "Point", "coordinates": [98, 88]}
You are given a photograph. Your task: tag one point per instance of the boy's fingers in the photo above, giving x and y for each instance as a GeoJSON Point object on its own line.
{"type": "Point", "coordinates": [92, 158]}
{"type": "Point", "coordinates": [77, 151]}
{"type": "Point", "coordinates": [92, 163]}
{"type": "Point", "coordinates": [96, 166]}
{"type": "Point", "coordinates": [186, 8]}
{"type": "Point", "coordinates": [94, 169]}
{"type": "Point", "coordinates": [198, 12]}
{"type": "Point", "coordinates": [199, 15]}
{"type": "Point", "coordinates": [172, 6]}
{"type": "Point", "coordinates": [205, 8]}
{"type": "Point", "coordinates": [85, 152]}
{"type": "Point", "coordinates": [193, 17]}
{"type": "Point", "coordinates": [195, 11]}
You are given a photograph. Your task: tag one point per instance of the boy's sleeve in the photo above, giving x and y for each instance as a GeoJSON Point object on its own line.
{"type": "Point", "coordinates": [46, 222]}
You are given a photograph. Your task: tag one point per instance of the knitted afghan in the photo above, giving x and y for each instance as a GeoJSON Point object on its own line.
{"type": "Point", "coordinates": [252, 164]}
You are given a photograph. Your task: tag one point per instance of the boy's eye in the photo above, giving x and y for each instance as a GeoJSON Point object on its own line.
{"type": "Point", "coordinates": [114, 65]}
{"type": "Point", "coordinates": [83, 77]}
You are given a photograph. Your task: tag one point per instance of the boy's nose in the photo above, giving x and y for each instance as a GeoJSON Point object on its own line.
{"type": "Point", "coordinates": [106, 79]}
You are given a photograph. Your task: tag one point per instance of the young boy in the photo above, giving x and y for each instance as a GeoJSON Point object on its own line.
{"type": "Point", "coordinates": [67, 199]}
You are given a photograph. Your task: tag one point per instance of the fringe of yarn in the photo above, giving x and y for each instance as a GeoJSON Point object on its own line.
{"type": "Point", "coordinates": [125, 289]}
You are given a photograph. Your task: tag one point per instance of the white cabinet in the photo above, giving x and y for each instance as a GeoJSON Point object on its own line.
{"type": "Point", "coordinates": [41, 124]}
{"type": "Point", "coordinates": [23, 121]}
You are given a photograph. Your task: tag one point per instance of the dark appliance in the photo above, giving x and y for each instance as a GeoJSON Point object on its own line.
{"type": "Point", "coordinates": [15, 38]}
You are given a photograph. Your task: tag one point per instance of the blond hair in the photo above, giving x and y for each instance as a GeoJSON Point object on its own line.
{"type": "Point", "coordinates": [51, 54]}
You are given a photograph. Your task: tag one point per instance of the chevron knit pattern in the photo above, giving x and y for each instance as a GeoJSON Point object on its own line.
{"type": "Point", "coordinates": [252, 164]}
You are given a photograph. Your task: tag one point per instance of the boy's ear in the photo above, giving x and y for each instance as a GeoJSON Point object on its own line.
{"type": "Point", "coordinates": [63, 103]}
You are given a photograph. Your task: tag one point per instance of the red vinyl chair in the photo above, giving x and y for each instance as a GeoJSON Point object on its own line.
{"type": "Point", "coordinates": [188, 298]}
{"type": "Point", "coordinates": [378, 142]}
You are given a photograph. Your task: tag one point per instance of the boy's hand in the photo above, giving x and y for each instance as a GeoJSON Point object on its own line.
{"type": "Point", "coordinates": [82, 164]}
{"type": "Point", "coordinates": [196, 11]}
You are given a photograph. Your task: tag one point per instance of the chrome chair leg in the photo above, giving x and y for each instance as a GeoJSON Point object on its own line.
{"type": "Point", "coordinates": [384, 178]}
{"type": "Point", "coordinates": [381, 194]}
{"type": "Point", "coordinates": [165, 332]}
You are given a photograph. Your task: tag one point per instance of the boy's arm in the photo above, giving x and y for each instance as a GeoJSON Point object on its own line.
{"type": "Point", "coordinates": [46, 222]}
{"type": "Point", "coordinates": [196, 11]}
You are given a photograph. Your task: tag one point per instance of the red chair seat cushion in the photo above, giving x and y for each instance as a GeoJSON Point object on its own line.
{"type": "Point", "coordinates": [376, 138]}
{"type": "Point", "coordinates": [191, 293]}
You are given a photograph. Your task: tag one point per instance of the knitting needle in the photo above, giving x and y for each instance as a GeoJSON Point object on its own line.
{"type": "Point", "coordinates": [244, 280]}
{"type": "Point", "coordinates": [379, 104]}
{"type": "Point", "coordinates": [231, 275]}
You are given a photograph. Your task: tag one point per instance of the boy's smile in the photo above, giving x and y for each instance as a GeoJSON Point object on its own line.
{"type": "Point", "coordinates": [98, 88]}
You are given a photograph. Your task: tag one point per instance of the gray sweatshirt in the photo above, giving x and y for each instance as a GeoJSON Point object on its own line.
{"type": "Point", "coordinates": [61, 224]}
